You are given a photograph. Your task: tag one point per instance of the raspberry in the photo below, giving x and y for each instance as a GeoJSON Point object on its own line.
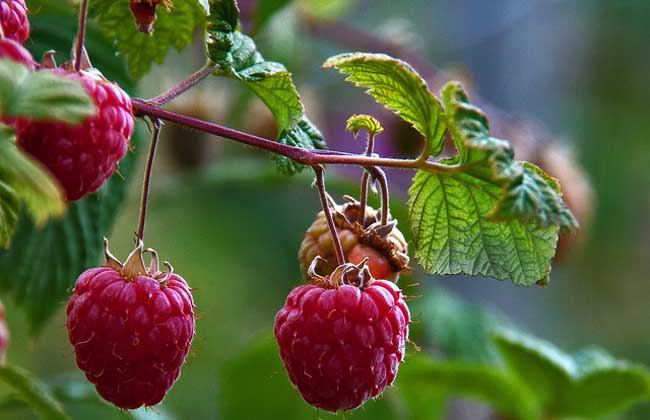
{"type": "Point", "coordinates": [13, 19]}
{"type": "Point", "coordinates": [131, 329]}
{"type": "Point", "coordinates": [82, 156]}
{"type": "Point", "coordinates": [4, 334]}
{"type": "Point", "coordinates": [342, 344]}
{"type": "Point", "coordinates": [384, 245]}
{"type": "Point", "coordinates": [12, 50]}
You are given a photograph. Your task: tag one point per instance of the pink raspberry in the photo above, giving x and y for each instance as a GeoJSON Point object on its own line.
{"type": "Point", "coordinates": [12, 50]}
{"type": "Point", "coordinates": [13, 19]}
{"type": "Point", "coordinates": [131, 335]}
{"type": "Point", "coordinates": [83, 156]}
{"type": "Point", "coordinates": [342, 346]}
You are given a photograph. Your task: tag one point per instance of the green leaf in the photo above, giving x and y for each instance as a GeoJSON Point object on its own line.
{"type": "Point", "coordinates": [479, 382]}
{"type": "Point", "coordinates": [237, 57]}
{"type": "Point", "coordinates": [173, 29]}
{"type": "Point", "coordinates": [461, 330]}
{"type": "Point", "coordinates": [304, 135]}
{"type": "Point", "coordinates": [529, 193]}
{"type": "Point", "coordinates": [367, 122]}
{"type": "Point", "coordinates": [41, 95]}
{"type": "Point", "coordinates": [272, 83]}
{"type": "Point", "coordinates": [33, 393]}
{"type": "Point", "coordinates": [588, 384]}
{"type": "Point", "coordinates": [24, 181]}
{"type": "Point", "coordinates": [484, 213]}
{"type": "Point", "coordinates": [395, 84]}
{"type": "Point", "coordinates": [448, 217]}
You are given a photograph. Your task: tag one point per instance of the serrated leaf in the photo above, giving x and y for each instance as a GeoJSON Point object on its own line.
{"type": "Point", "coordinates": [589, 384]}
{"type": "Point", "coordinates": [23, 181]}
{"type": "Point", "coordinates": [361, 121]}
{"type": "Point", "coordinates": [173, 29]}
{"type": "Point", "coordinates": [480, 382]}
{"type": "Point", "coordinates": [304, 135]}
{"type": "Point", "coordinates": [448, 217]}
{"type": "Point", "coordinates": [529, 194]}
{"type": "Point", "coordinates": [35, 394]}
{"type": "Point", "coordinates": [487, 214]}
{"type": "Point", "coordinates": [41, 95]}
{"type": "Point", "coordinates": [237, 56]}
{"type": "Point", "coordinates": [399, 87]}
{"type": "Point", "coordinates": [272, 83]}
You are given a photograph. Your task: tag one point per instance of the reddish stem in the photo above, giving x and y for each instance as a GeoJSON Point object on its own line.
{"type": "Point", "coordinates": [184, 85]}
{"type": "Point", "coordinates": [304, 156]}
{"type": "Point", "coordinates": [81, 35]}
{"type": "Point", "coordinates": [155, 134]}
{"type": "Point", "coordinates": [320, 183]}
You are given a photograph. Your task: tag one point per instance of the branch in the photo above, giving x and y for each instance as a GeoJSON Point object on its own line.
{"type": "Point", "coordinates": [308, 157]}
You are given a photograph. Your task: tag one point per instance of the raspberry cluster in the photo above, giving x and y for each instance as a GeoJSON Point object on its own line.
{"type": "Point", "coordinates": [14, 21]}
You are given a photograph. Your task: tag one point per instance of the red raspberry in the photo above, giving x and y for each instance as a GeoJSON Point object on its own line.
{"type": "Point", "coordinates": [13, 19]}
{"type": "Point", "coordinates": [385, 246]}
{"type": "Point", "coordinates": [342, 345]}
{"type": "Point", "coordinates": [12, 50]}
{"type": "Point", "coordinates": [131, 330]}
{"type": "Point", "coordinates": [83, 156]}
{"type": "Point", "coordinates": [4, 334]}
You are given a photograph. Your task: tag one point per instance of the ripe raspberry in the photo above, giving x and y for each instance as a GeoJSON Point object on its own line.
{"type": "Point", "coordinates": [12, 50]}
{"type": "Point", "coordinates": [131, 329]}
{"type": "Point", "coordinates": [342, 344]}
{"type": "Point", "coordinates": [384, 245]}
{"type": "Point", "coordinates": [13, 19]}
{"type": "Point", "coordinates": [83, 156]}
{"type": "Point", "coordinates": [4, 334]}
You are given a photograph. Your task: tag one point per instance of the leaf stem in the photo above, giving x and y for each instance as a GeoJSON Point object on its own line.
{"type": "Point", "coordinates": [184, 85]}
{"type": "Point", "coordinates": [320, 183]}
{"type": "Point", "coordinates": [81, 35]}
{"type": "Point", "coordinates": [308, 157]}
{"type": "Point", "coordinates": [155, 134]}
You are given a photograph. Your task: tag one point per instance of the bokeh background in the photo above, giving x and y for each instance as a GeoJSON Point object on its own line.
{"type": "Point", "coordinates": [567, 81]}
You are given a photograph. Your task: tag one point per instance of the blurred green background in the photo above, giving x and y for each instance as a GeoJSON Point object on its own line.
{"type": "Point", "coordinates": [232, 227]}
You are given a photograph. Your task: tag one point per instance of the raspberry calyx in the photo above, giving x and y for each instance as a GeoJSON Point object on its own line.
{"type": "Point", "coordinates": [383, 244]}
{"type": "Point", "coordinates": [131, 327]}
{"type": "Point", "coordinates": [342, 336]}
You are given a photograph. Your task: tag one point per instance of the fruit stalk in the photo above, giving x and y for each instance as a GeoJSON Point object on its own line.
{"type": "Point", "coordinates": [184, 85]}
{"type": "Point", "coordinates": [155, 134]}
{"type": "Point", "coordinates": [320, 183]}
{"type": "Point", "coordinates": [81, 35]}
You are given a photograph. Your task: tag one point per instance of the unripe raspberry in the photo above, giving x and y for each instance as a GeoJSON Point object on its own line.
{"type": "Point", "coordinates": [131, 329]}
{"type": "Point", "coordinates": [83, 156]}
{"type": "Point", "coordinates": [12, 50]}
{"type": "Point", "coordinates": [13, 19]}
{"type": "Point", "coordinates": [385, 246]}
{"type": "Point", "coordinates": [4, 334]}
{"type": "Point", "coordinates": [342, 344]}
